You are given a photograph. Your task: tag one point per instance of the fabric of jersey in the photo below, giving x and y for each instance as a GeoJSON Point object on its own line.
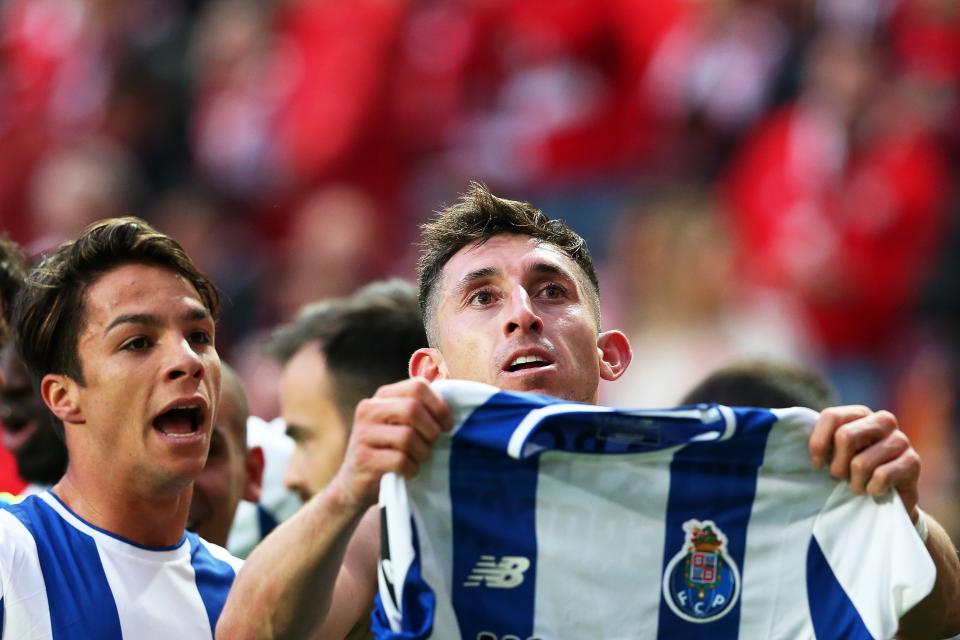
{"type": "Point", "coordinates": [537, 518]}
{"type": "Point", "coordinates": [61, 577]}
{"type": "Point", "coordinates": [253, 521]}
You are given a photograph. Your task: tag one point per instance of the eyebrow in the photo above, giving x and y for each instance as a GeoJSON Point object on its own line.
{"type": "Point", "coordinates": [297, 432]}
{"type": "Point", "coordinates": [473, 276]}
{"type": "Point", "coordinates": [545, 268]}
{"type": "Point", "coordinates": [150, 320]}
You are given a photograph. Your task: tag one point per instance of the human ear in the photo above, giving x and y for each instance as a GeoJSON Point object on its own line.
{"type": "Point", "coordinates": [428, 363]}
{"type": "Point", "coordinates": [253, 465]}
{"type": "Point", "coordinates": [615, 354]}
{"type": "Point", "coordinates": [60, 393]}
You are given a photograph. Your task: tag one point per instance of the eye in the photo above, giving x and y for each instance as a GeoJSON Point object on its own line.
{"type": "Point", "coordinates": [201, 337]}
{"type": "Point", "coordinates": [137, 343]}
{"type": "Point", "coordinates": [482, 298]}
{"type": "Point", "coordinates": [552, 291]}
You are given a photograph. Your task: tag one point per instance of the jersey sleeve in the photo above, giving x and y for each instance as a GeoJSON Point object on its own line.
{"type": "Point", "coordinates": [866, 565]}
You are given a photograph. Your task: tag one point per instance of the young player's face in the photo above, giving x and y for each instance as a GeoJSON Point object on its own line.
{"type": "Point", "coordinates": [516, 313]}
{"type": "Point", "coordinates": [313, 422]}
{"type": "Point", "coordinates": [152, 378]}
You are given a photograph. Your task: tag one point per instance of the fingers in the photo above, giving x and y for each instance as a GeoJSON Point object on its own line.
{"type": "Point", "coordinates": [419, 391]}
{"type": "Point", "coordinates": [821, 440]}
{"type": "Point", "coordinates": [392, 432]}
{"type": "Point", "coordinates": [870, 469]}
{"type": "Point", "coordinates": [869, 450]}
{"type": "Point", "coordinates": [853, 437]}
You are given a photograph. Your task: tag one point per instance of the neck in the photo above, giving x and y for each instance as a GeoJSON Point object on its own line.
{"type": "Point", "coordinates": [154, 519]}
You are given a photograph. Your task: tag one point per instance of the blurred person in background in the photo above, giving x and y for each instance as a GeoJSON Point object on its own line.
{"type": "Point", "coordinates": [334, 231]}
{"type": "Point", "coordinates": [681, 301]}
{"type": "Point", "coordinates": [763, 383]}
{"type": "Point", "coordinates": [77, 183]}
{"type": "Point", "coordinates": [233, 471]}
{"type": "Point", "coordinates": [334, 354]}
{"type": "Point", "coordinates": [837, 200]}
{"type": "Point", "coordinates": [28, 426]}
{"type": "Point", "coordinates": [12, 274]}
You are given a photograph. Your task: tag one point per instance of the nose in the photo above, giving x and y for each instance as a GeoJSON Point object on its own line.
{"type": "Point", "coordinates": [520, 314]}
{"type": "Point", "coordinates": [292, 478]}
{"type": "Point", "coordinates": [185, 361]}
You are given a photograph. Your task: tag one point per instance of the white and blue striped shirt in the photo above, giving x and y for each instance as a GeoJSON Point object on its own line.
{"type": "Point", "coordinates": [61, 577]}
{"type": "Point", "coordinates": [542, 519]}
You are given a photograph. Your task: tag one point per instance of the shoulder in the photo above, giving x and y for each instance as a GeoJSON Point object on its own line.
{"type": "Point", "coordinates": [207, 556]}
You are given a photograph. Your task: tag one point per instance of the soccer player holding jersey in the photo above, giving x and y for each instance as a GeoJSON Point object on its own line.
{"type": "Point", "coordinates": [509, 298]}
{"type": "Point", "coordinates": [117, 329]}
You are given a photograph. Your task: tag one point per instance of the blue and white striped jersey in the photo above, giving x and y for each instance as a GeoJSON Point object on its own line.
{"type": "Point", "coordinates": [61, 577]}
{"type": "Point", "coordinates": [539, 518]}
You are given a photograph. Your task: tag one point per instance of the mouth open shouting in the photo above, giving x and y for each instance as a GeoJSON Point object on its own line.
{"type": "Point", "coordinates": [182, 422]}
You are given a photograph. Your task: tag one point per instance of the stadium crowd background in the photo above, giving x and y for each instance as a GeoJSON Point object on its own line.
{"type": "Point", "coordinates": [756, 178]}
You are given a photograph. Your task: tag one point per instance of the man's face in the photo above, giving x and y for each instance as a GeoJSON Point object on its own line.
{"type": "Point", "coordinates": [318, 431]}
{"type": "Point", "coordinates": [152, 377]}
{"type": "Point", "coordinates": [516, 313]}
{"type": "Point", "coordinates": [223, 482]}
{"type": "Point", "coordinates": [28, 431]}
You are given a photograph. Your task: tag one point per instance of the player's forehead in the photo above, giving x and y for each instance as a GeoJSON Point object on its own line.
{"type": "Point", "coordinates": [131, 287]}
{"type": "Point", "coordinates": [506, 255]}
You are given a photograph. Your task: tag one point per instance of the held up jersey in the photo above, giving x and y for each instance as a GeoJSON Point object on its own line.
{"type": "Point", "coordinates": [542, 519]}
{"type": "Point", "coordinates": [61, 577]}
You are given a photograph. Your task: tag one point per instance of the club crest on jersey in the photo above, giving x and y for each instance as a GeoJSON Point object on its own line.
{"type": "Point", "coordinates": [701, 583]}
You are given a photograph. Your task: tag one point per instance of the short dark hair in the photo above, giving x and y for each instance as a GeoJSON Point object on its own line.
{"type": "Point", "coordinates": [477, 216]}
{"type": "Point", "coordinates": [764, 383]}
{"type": "Point", "coordinates": [13, 272]}
{"type": "Point", "coordinates": [49, 311]}
{"type": "Point", "coordinates": [366, 339]}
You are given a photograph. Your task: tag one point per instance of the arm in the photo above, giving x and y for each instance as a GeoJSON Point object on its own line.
{"type": "Point", "coordinates": [937, 615]}
{"type": "Point", "coordinates": [868, 449]}
{"type": "Point", "coordinates": [315, 575]}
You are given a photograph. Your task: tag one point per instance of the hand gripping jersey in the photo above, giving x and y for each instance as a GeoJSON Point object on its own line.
{"type": "Point", "coordinates": [61, 577]}
{"type": "Point", "coordinates": [538, 518]}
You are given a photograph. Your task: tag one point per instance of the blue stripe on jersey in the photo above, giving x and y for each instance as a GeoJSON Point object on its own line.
{"type": "Point", "coordinates": [492, 424]}
{"type": "Point", "coordinates": [1, 617]}
{"type": "Point", "coordinates": [714, 481]}
{"type": "Point", "coordinates": [418, 605]}
{"type": "Point", "coordinates": [265, 521]}
{"type": "Point", "coordinates": [493, 509]}
{"type": "Point", "coordinates": [213, 577]}
{"type": "Point", "coordinates": [80, 600]}
{"type": "Point", "coordinates": [831, 611]}
{"type": "Point", "coordinates": [618, 432]}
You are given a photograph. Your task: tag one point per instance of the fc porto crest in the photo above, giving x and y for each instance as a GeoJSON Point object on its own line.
{"type": "Point", "coordinates": [701, 583]}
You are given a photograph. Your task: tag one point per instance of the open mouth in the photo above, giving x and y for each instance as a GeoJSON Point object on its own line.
{"type": "Point", "coordinates": [179, 421]}
{"type": "Point", "coordinates": [526, 362]}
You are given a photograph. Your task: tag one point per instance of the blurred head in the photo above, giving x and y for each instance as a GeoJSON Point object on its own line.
{"type": "Point", "coordinates": [761, 383]}
{"type": "Point", "coordinates": [28, 431]}
{"type": "Point", "coordinates": [334, 354]}
{"type": "Point", "coordinates": [117, 330]}
{"type": "Point", "coordinates": [510, 298]}
{"type": "Point", "coordinates": [232, 472]}
{"type": "Point", "coordinates": [13, 271]}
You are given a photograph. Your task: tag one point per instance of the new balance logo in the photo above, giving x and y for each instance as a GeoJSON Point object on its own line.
{"type": "Point", "coordinates": [505, 574]}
